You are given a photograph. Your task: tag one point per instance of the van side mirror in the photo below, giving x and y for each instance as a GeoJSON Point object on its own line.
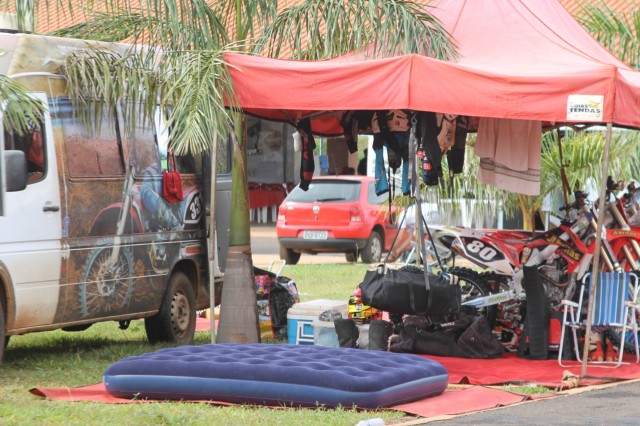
{"type": "Point", "coordinates": [15, 163]}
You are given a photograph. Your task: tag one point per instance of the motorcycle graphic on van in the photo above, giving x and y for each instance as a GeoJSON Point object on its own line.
{"type": "Point", "coordinates": [107, 275]}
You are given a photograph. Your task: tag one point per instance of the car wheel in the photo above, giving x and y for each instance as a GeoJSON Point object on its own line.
{"type": "Point", "coordinates": [175, 322]}
{"type": "Point", "coordinates": [372, 252]}
{"type": "Point", "coordinates": [289, 256]}
{"type": "Point", "coordinates": [4, 340]}
{"type": "Point", "coordinates": [351, 256]}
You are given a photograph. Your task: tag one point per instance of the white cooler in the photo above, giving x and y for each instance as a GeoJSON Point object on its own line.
{"type": "Point", "coordinates": [301, 316]}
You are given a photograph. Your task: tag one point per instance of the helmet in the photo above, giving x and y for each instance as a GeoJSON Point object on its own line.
{"type": "Point", "coordinates": [359, 312]}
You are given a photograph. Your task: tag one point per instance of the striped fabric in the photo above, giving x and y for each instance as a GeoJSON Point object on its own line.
{"type": "Point", "coordinates": [611, 293]}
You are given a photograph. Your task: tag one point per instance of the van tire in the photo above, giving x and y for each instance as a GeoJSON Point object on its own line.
{"type": "Point", "coordinates": [289, 256]}
{"type": "Point", "coordinates": [175, 322]}
{"type": "Point", "coordinates": [372, 252]}
{"type": "Point", "coordinates": [4, 339]}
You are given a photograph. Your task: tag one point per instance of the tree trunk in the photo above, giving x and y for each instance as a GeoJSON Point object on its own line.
{"type": "Point", "coordinates": [238, 308]}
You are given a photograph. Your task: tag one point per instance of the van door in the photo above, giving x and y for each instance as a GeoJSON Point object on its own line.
{"type": "Point", "coordinates": [30, 230]}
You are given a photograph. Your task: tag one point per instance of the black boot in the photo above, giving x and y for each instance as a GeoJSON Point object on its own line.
{"type": "Point", "coordinates": [379, 333]}
{"type": "Point", "coordinates": [347, 332]}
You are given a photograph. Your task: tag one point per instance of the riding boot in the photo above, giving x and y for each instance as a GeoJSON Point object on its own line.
{"type": "Point", "coordinates": [379, 333]}
{"type": "Point", "coordinates": [167, 218]}
{"type": "Point", "coordinates": [347, 332]}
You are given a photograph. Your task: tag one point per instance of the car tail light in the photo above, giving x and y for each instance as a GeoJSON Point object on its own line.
{"type": "Point", "coordinates": [281, 212]}
{"type": "Point", "coordinates": [356, 214]}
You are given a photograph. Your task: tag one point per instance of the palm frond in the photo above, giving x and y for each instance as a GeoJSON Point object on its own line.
{"type": "Point", "coordinates": [173, 24]}
{"type": "Point", "coordinates": [190, 88]}
{"type": "Point", "coordinates": [106, 27]}
{"type": "Point", "coordinates": [583, 154]}
{"type": "Point", "coordinates": [317, 29]}
{"type": "Point", "coordinates": [245, 19]}
{"type": "Point", "coordinates": [21, 111]}
{"type": "Point", "coordinates": [194, 89]}
{"type": "Point", "coordinates": [619, 32]}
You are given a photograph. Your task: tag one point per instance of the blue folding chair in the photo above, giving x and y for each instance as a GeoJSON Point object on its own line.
{"type": "Point", "coordinates": [615, 306]}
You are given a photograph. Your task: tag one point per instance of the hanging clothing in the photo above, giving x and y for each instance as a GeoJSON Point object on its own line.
{"type": "Point", "coordinates": [510, 152]}
{"type": "Point", "coordinates": [392, 127]}
{"type": "Point", "coordinates": [307, 163]}
{"type": "Point", "coordinates": [354, 123]}
{"type": "Point", "coordinates": [455, 156]}
{"type": "Point", "coordinates": [382, 184]}
{"type": "Point", "coordinates": [427, 137]}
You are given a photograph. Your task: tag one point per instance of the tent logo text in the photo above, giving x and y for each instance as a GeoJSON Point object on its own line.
{"type": "Point", "coordinates": [585, 107]}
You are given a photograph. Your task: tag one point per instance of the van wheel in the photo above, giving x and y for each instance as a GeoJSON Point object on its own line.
{"type": "Point", "coordinates": [289, 256]}
{"type": "Point", "coordinates": [4, 339]}
{"type": "Point", "coordinates": [175, 322]}
{"type": "Point", "coordinates": [106, 286]}
{"type": "Point", "coordinates": [372, 252]}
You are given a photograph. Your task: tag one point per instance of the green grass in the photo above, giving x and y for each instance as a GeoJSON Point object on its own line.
{"type": "Point", "coordinates": [62, 359]}
{"type": "Point", "coordinates": [335, 281]}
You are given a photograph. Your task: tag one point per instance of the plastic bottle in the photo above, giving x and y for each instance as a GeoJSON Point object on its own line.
{"type": "Point", "coordinates": [377, 421]}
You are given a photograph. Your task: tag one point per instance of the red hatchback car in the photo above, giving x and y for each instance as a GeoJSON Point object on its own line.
{"type": "Point", "coordinates": [336, 214]}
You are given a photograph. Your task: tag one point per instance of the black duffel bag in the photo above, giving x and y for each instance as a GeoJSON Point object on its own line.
{"type": "Point", "coordinates": [407, 292]}
{"type": "Point", "coordinates": [467, 337]}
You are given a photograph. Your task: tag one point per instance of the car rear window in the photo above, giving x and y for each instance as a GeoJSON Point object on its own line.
{"type": "Point", "coordinates": [327, 191]}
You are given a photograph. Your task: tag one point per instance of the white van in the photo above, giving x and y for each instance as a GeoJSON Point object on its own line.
{"type": "Point", "coordinates": [85, 233]}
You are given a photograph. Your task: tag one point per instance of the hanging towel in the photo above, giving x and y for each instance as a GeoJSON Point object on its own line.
{"type": "Point", "coordinates": [510, 152]}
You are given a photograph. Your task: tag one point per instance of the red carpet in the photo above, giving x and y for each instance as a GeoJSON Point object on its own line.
{"type": "Point", "coordinates": [511, 369]}
{"type": "Point", "coordinates": [454, 401]}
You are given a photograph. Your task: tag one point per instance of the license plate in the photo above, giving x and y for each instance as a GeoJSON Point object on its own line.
{"type": "Point", "coordinates": [315, 235]}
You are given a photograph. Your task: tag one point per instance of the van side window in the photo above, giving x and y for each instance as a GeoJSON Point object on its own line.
{"type": "Point", "coordinates": [194, 163]}
{"type": "Point", "coordinates": [95, 152]}
{"type": "Point", "coordinates": [32, 143]}
{"type": "Point", "coordinates": [144, 155]}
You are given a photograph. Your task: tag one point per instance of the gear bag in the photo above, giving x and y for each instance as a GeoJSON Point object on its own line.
{"type": "Point", "coordinates": [405, 292]}
{"type": "Point", "coordinates": [466, 337]}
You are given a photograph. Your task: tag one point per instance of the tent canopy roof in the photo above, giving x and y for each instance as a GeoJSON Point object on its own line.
{"type": "Point", "coordinates": [518, 59]}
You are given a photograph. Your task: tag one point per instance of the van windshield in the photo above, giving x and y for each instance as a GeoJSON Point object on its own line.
{"type": "Point", "coordinates": [327, 190]}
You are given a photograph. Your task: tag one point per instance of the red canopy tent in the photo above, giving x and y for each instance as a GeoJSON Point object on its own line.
{"type": "Point", "coordinates": [519, 59]}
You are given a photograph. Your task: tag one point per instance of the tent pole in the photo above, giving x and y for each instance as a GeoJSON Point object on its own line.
{"type": "Point", "coordinates": [212, 240]}
{"type": "Point", "coordinates": [596, 256]}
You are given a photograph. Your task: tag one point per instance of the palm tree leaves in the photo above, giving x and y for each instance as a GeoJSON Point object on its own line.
{"type": "Point", "coordinates": [190, 88]}
{"type": "Point", "coordinates": [20, 109]}
{"type": "Point", "coordinates": [320, 29]}
{"type": "Point", "coordinates": [618, 32]}
{"type": "Point", "coordinates": [196, 92]}
{"type": "Point", "coordinates": [583, 153]}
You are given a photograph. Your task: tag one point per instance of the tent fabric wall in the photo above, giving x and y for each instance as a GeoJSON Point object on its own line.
{"type": "Point", "coordinates": [518, 59]}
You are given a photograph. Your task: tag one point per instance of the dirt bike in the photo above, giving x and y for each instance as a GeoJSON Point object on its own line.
{"type": "Point", "coordinates": [560, 256]}
{"type": "Point", "coordinates": [108, 275]}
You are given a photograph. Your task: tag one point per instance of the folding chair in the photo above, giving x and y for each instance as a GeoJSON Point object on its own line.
{"type": "Point", "coordinates": [615, 306]}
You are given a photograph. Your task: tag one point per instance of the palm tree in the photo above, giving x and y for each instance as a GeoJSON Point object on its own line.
{"type": "Point", "coordinates": [182, 68]}
{"type": "Point", "coordinates": [619, 32]}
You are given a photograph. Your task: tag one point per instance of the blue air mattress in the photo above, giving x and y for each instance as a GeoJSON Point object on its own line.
{"type": "Point", "coordinates": [276, 374]}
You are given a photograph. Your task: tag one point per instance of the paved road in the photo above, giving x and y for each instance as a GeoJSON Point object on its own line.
{"type": "Point", "coordinates": [614, 404]}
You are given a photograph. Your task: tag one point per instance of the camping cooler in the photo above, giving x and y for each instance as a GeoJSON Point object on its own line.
{"type": "Point", "coordinates": [301, 317]}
